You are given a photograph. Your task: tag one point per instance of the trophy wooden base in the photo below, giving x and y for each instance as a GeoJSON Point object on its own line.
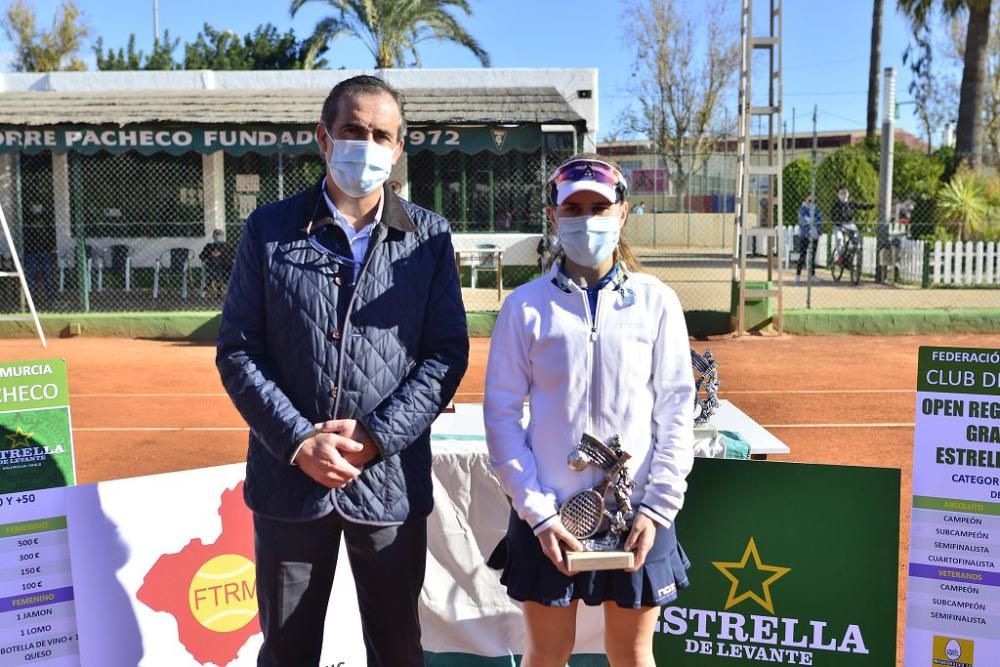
{"type": "Point", "coordinates": [589, 561]}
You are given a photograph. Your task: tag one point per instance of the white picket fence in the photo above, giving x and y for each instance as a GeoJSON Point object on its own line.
{"type": "Point", "coordinates": [911, 260]}
{"type": "Point", "coordinates": [965, 263]}
{"type": "Point", "coordinates": [980, 270]}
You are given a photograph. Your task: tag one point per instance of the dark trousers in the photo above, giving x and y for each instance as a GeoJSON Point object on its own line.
{"type": "Point", "coordinates": [295, 566]}
{"type": "Point", "coordinates": [806, 246]}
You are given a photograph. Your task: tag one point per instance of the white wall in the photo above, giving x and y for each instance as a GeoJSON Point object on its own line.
{"type": "Point", "coordinates": [678, 230]}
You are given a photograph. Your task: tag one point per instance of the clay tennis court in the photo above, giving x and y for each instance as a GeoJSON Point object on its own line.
{"type": "Point", "coordinates": [141, 407]}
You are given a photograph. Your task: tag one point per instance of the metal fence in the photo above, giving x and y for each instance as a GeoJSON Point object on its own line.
{"type": "Point", "coordinates": [134, 233]}
{"type": "Point", "coordinates": [129, 232]}
{"type": "Point", "coordinates": [496, 207]}
{"type": "Point", "coordinates": [686, 239]}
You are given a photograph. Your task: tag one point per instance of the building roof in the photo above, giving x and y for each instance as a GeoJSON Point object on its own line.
{"type": "Point", "coordinates": [290, 106]}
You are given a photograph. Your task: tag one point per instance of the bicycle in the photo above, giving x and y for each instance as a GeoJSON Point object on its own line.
{"type": "Point", "coordinates": [846, 252]}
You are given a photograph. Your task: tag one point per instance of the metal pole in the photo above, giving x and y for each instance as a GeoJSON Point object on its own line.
{"type": "Point", "coordinates": [19, 272]}
{"type": "Point", "coordinates": [784, 139]}
{"type": "Point", "coordinates": [82, 270]}
{"type": "Point", "coordinates": [656, 191]}
{"type": "Point", "coordinates": [810, 260]}
{"type": "Point", "coordinates": [156, 22]}
{"type": "Point", "coordinates": [885, 172]}
{"type": "Point", "coordinates": [687, 190]}
{"type": "Point", "coordinates": [19, 208]}
{"type": "Point", "coordinates": [725, 195]}
{"type": "Point", "coordinates": [546, 241]}
{"type": "Point", "coordinates": [281, 174]}
{"type": "Point", "coordinates": [792, 151]}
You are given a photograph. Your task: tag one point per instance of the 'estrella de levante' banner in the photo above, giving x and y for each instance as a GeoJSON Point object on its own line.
{"type": "Point", "coordinates": [36, 442]}
{"type": "Point", "coordinates": [792, 564]}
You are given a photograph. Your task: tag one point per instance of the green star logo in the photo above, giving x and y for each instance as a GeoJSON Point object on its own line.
{"type": "Point", "coordinates": [20, 439]}
{"type": "Point", "coordinates": [754, 579]}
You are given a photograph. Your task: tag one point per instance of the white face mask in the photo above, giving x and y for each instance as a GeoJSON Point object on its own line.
{"type": "Point", "coordinates": [589, 240]}
{"type": "Point", "coordinates": [359, 167]}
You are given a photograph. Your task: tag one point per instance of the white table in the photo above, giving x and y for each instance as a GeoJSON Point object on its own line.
{"type": "Point", "coordinates": [464, 430]}
{"type": "Point", "coordinates": [762, 442]}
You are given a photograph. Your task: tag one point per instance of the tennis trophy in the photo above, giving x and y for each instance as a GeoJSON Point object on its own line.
{"type": "Point", "coordinates": [707, 370]}
{"type": "Point", "coordinates": [585, 515]}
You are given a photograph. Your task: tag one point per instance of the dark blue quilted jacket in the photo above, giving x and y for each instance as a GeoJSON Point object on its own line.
{"type": "Point", "coordinates": [405, 348]}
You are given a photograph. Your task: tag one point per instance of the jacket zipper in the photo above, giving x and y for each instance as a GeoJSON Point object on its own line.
{"type": "Point", "coordinates": [595, 387]}
{"type": "Point", "coordinates": [592, 357]}
{"type": "Point", "coordinates": [345, 329]}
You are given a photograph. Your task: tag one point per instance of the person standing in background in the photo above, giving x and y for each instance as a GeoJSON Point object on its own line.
{"type": "Point", "coordinates": [810, 219]}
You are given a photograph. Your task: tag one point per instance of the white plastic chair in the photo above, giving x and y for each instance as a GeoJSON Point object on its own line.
{"type": "Point", "coordinates": [485, 261]}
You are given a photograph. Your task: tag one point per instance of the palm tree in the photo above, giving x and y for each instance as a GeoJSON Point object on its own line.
{"type": "Point", "coordinates": [969, 131]}
{"type": "Point", "coordinates": [391, 29]}
{"type": "Point", "coordinates": [874, 64]}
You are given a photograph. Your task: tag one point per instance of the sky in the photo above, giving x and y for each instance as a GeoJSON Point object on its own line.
{"type": "Point", "coordinates": [826, 47]}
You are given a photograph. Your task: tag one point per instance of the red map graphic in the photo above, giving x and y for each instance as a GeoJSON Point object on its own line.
{"type": "Point", "coordinates": [165, 587]}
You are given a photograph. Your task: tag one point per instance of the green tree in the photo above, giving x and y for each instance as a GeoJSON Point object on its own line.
{"type": "Point", "coordinates": [45, 51]}
{"type": "Point", "coordinates": [963, 204]}
{"type": "Point", "coordinates": [847, 166]}
{"type": "Point", "coordinates": [917, 178]}
{"type": "Point", "coordinates": [916, 175]}
{"type": "Point", "coordinates": [392, 29]}
{"type": "Point", "coordinates": [215, 49]}
{"type": "Point", "coordinates": [162, 57]}
{"type": "Point", "coordinates": [796, 184]}
{"type": "Point", "coordinates": [969, 131]}
{"type": "Point", "coordinates": [123, 59]}
{"type": "Point", "coordinates": [684, 64]}
{"type": "Point", "coordinates": [263, 49]}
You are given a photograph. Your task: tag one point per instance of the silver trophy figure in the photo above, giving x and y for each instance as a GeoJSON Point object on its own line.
{"type": "Point", "coordinates": [707, 371]}
{"type": "Point", "coordinates": [585, 513]}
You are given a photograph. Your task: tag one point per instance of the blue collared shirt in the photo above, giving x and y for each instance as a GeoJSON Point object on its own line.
{"type": "Point", "coordinates": [358, 239]}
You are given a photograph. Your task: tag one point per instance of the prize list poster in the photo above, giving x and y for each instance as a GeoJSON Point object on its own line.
{"type": "Point", "coordinates": [953, 591]}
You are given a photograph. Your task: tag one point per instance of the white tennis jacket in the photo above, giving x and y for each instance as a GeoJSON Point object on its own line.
{"type": "Point", "coordinates": [627, 372]}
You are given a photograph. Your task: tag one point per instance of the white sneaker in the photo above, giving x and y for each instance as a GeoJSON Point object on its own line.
{"type": "Point", "coordinates": [797, 280]}
{"type": "Point", "coordinates": [815, 280]}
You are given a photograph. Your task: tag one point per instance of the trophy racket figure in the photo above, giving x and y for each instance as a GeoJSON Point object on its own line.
{"type": "Point", "coordinates": [706, 384]}
{"type": "Point", "coordinates": [585, 514]}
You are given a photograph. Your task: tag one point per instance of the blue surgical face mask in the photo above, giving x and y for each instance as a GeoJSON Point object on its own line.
{"type": "Point", "coordinates": [589, 240]}
{"type": "Point", "coordinates": [359, 167]}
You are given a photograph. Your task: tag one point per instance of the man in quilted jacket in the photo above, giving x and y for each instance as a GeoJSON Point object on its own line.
{"type": "Point", "coordinates": [342, 337]}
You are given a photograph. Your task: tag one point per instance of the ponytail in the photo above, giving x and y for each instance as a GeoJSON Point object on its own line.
{"type": "Point", "coordinates": [626, 256]}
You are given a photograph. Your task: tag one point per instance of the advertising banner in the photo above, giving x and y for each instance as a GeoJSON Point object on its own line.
{"type": "Point", "coordinates": [953, 587]}
{"type": "Point", "coordinates": [164, 573]}
{"type": "Point", "coordinates": [37, 605]}
{"type": "Point", "coordinates": [792, 564]}
{"type": "Point", "coordinates": [36, 442]}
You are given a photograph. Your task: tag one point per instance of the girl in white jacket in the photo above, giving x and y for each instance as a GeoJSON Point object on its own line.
{"type": "Point", "coordinates": [597, 348]}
